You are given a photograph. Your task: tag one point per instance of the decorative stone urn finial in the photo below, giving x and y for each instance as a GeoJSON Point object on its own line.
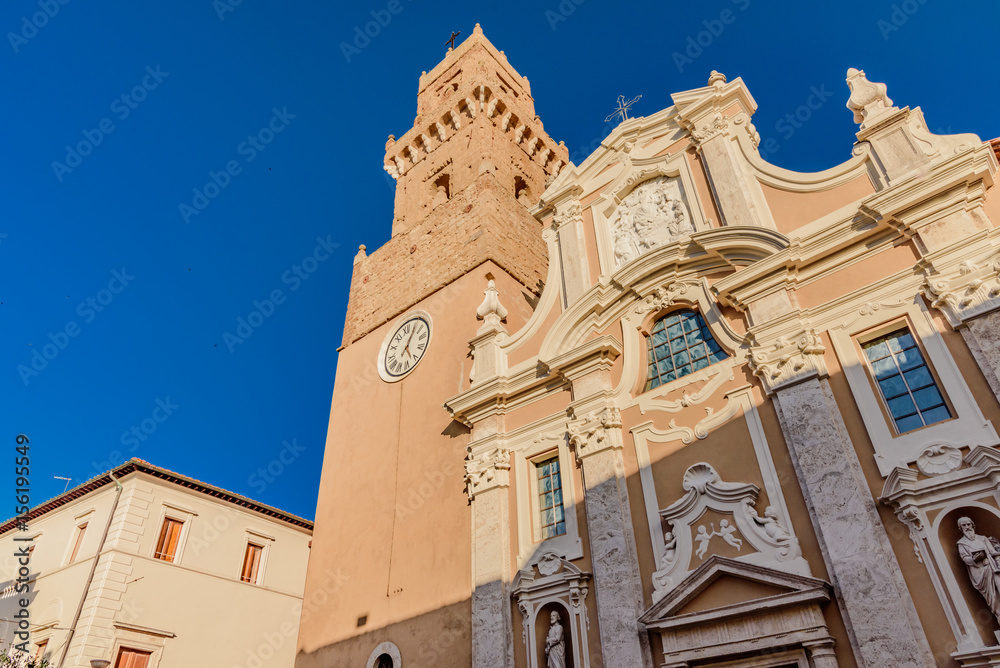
{"type": "Point", "coordinates": [716, 78]}
{"type": "Point", "coordinates": [491, 310]}
{"type": "Point", "coordinates": [868, 99]}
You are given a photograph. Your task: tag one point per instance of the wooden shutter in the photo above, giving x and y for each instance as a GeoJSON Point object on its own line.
{"type": "Point", "coordinates": [251, 563]}
{"type": "Point", "coordinates": [166, 546]}
{"type": "Point", "coordinates": [132, 658]}
{"type": "Point", "coordinates": [41, 649]}
{"type": "Point", "coordinates": [80, 530]}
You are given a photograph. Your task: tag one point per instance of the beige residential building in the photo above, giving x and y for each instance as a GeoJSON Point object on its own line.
{"type": "Point", "coordinates": [673, 406]}
{"type": "Point", "coordinates": [146, 568]}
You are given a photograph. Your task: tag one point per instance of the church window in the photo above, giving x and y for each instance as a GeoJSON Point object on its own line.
{"type": "Point", "coordinates": [551, 519]}
{"type": "Point", "coordinates": [905, 382]}
{"type": "Point", "coordinates": [680, 343]}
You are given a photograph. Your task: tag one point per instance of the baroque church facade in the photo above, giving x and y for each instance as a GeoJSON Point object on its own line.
{"type": "Point", "coordinates": [673, 406]}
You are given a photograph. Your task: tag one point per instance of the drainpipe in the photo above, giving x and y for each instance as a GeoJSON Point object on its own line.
{"type": "Point", "coordinates": [93, 569]}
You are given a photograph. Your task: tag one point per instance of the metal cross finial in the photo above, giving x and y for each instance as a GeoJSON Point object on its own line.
{"type": "Point", "coordinates": [451, 42]}
{"type": "Point", "coordinates": [622, 111]}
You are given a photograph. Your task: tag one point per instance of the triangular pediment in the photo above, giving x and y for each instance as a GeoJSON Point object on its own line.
{"type": "Point", "coordinates": [723, 587]}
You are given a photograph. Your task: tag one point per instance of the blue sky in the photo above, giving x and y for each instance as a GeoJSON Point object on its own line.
{"type": "Point", "coordinates": [167, 164]}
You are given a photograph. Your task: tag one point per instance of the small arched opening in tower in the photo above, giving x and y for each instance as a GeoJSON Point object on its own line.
{"type": "Point", "coordinates": [521, 192]}
{"type": "Point", "coordinates": [442, 190]}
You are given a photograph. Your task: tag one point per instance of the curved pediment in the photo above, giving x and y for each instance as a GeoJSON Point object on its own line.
{"type": "Point", "coordinates": [684, 261]}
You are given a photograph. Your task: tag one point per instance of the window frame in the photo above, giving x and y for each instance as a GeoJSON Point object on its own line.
{"type": "Point", "coordinates": [569, 545]}
{"type": "Point", "coordinates": [878, 332]}
{"type": "Point", "coordinates": [647, 334]}
{"type": "Point", "coordinates": [892, 450]}
{"type": "Point", "coordinates": [161, 535]}
{"type": "Point", "coordinates": [536, 507]}
{"type": "Point", "coordinates": [76, 541]}
{"type": "Point", "coordinates": [251, 537]}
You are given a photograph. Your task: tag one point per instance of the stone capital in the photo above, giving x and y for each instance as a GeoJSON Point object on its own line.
{"type": "Point", "coordinates": [489, 470]}
{"type": "Point", "coordinates": [789, 360]}
{"type": "Point", "coordinates": [596, 432]}
{"type": "Point", "coordinates": [971, 290]}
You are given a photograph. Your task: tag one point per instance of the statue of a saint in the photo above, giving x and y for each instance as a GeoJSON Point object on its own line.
{"type": "Point", "coordinates": [980, 554]}
{"type": "Point", "coordinates": [555, 644]}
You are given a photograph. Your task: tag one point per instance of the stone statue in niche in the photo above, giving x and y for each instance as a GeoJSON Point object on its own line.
{"type": "Point", "coordinates": [555, 643]}
{"type": "Point", "coordinates": [980, 554]}
{"type": "Point", "coordinates": [652, 215]}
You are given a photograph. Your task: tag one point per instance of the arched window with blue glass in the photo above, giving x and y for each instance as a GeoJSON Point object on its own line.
{"type": "Point", "coordinates": [679, 343]}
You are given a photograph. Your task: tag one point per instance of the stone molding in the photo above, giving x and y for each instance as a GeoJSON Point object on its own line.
{"type": "Point", "coordinates": [781, 622]}
{"type": "Point", "coordinates": [644, 434]}
{"type": "Point", "coordinates": [769, 540]}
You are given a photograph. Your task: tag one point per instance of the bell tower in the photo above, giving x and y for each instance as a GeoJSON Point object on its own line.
{"type": "Point", "coordinates": [466, 173]}
{"type": "Point", "coordinates": [390, 575]}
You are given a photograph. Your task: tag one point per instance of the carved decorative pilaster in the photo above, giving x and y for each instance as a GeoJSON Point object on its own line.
{"type": "Point", "coordinates": [718, 125]}
{"type": "Point", "coordinates": [971, 290]}
{"type": "Point", "coordinates": [596, 432]}
{"type": "Point", "coordinates": [597, 440]}
{"type": "Point", "coordinates": [568, 212]}
{"type": "Point", "coordinates": [874, 600]}
{"type": "Point", "coordinates": [487, 471]}
{"type": "Point", "coordinates": [487, 479]}
{"type": "Point", "coordinates": [969, 297]}
{"type": "Point", "coordinates": [789, 360]}
{"type": "Point", "coordinates": [568, 225]}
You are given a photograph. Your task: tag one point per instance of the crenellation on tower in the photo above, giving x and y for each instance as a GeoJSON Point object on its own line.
{"type": "Point", "coordinates": [467, 173]}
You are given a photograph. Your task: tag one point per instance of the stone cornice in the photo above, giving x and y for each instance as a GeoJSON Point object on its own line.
{"type": "Point", "coordinates": [899, 212]}
{"type": "Point", "coordinates": [903, 486]}
{"type": "Point", "coordinates": [959, 182]}
{"type": "Point", "coordinates": [596, 354]}
{"type": "Point", "coordinates": [501, 393]}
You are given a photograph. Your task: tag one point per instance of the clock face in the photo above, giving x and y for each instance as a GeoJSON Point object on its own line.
{"type": "Point", "coordinates": [405, 347]}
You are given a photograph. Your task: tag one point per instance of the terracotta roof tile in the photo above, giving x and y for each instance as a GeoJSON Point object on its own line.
{"type": "Point", "coordinates": [141, 466]}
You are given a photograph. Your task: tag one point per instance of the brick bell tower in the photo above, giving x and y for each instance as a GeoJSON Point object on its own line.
{"type": "Point", "coordinates": [390, 569]}
{"type": "Point", "coordinates": [466, 173]}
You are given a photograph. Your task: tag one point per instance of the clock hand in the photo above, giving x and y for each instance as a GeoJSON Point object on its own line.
{"type": "Point", "coordinates": [406, 348]}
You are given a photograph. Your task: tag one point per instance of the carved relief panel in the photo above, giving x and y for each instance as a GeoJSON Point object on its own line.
{"type": "Point", "coordinates": [653, 214]}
